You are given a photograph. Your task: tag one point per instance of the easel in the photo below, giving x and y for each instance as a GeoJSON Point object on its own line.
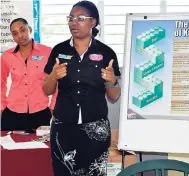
{"type": "Point", "coordinates": [123, 153]}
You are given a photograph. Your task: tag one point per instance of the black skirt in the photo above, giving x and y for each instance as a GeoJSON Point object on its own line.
{"type": "Point", "coordinates": [80, 149]}
{"type": "Point", "coordinates": [24, 121]}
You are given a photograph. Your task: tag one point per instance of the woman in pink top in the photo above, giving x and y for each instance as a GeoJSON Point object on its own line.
{"type": "Point", "coordinates": [26, 106]}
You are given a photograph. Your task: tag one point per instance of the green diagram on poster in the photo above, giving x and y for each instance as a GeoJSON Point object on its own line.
{"type": "Point", "coordinates": [144, 72]}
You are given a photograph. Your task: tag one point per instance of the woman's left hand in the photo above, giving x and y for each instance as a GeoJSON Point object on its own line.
{"type": "Point", "coordinates": [108, 73]}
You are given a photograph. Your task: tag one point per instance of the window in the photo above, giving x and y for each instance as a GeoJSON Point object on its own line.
{"type": "Point", "coordinates": [54, 28]}
{"type": "Point", "coordinates": [177, 5]}
{"type": "Point", "coordinates": [115, 19]}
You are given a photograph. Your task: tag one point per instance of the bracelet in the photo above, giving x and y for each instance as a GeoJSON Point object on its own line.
{"type": "Point", "coordinates": [113, 85]}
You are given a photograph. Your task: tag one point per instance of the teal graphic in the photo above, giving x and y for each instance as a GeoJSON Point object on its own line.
{"type": "Point", "coordinates": [62, 56]}
{"type": "Point", "coordinates": [37, 57]}
{"type": "Point", "coordinates": [154, 60]}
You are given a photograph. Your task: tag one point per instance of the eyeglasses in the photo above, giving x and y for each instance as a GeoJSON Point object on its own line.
{"type": "Point", "coordinates": [79, 19]}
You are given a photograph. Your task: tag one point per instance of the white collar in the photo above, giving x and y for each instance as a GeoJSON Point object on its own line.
{"type": "Point", "coordinates": [71, 42]}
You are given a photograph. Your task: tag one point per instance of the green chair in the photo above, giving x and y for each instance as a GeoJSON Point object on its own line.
{"type": "Point", "coordinates": [158, 166]}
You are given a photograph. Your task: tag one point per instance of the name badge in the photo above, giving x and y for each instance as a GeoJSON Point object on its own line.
{"type": "Point", "coordinates": [37, 57]}
{"type": "Point", "coordinates": [62, 56]}
{"type": "Point", "coordinates": [96, 57]}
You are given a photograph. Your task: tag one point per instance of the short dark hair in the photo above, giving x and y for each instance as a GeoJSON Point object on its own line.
{"type": "Point", "coordinates": [19, 20]}
{"type": "Point", "coordinates": [92, 11]}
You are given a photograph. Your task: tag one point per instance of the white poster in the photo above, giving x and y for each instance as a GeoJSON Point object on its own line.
{"type": "Point", "coordinates": [155, 90]}
{"type": "Point", "coordinates": [11, 9]}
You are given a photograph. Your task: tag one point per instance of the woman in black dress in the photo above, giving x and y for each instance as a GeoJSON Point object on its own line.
{"type": "Point", "coordinates": [85, 70]}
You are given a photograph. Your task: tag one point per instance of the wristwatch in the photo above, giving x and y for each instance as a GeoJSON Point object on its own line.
{"type": "Point", "coordinates": [113, 85]}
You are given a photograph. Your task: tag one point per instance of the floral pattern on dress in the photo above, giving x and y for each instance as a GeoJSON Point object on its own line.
{"type": "Point", "coordinates": [99, 130]}
{"type": "Point", "coordinates": [65, 158]}
{"type": "Point", "coordinates": [56, 121]}
{"type": "Point", "coordinates": [96, 168]}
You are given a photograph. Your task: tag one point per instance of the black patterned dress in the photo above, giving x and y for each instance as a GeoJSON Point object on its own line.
{"type": "Point", "coordinates": [81, 149]}
{"type": "Point", "coordinates": [86, 153]}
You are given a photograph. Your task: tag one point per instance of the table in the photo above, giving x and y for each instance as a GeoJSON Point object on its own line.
{"type": "Point", "coordinates": [37, 162]}
{"type": "Point", "coordinates": [27, 162]}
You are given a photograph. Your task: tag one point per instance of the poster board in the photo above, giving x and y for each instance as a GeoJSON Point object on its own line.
{"type": "Point", "coordinates": [154, 114]}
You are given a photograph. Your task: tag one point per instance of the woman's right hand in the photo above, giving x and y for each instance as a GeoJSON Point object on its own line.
{"type": "Point", "coordinates": [59, 70]}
